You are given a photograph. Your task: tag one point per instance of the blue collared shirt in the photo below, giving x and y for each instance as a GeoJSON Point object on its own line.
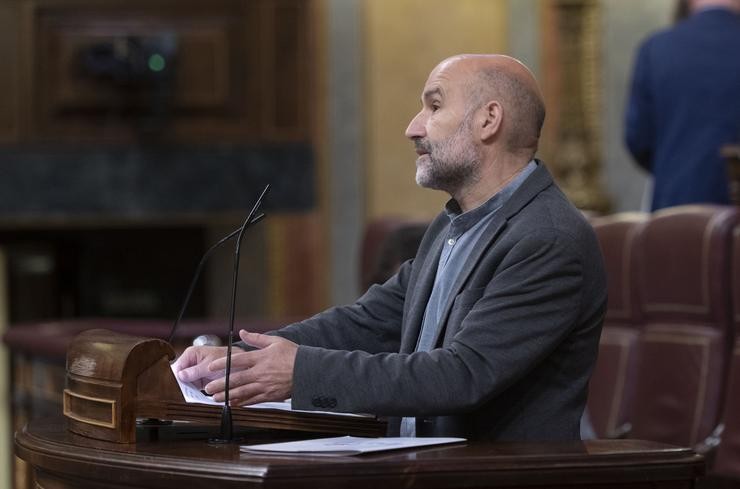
{"type": "Point", "coordinates": [463, 234]}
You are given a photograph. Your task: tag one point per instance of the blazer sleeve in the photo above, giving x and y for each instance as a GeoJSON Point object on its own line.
{"type": "Point", "coordinates": [639, 130]}
{"type": "Point", "coordinates": [530, 305]}
{"type": "Point", "coordinates": [372, 324]}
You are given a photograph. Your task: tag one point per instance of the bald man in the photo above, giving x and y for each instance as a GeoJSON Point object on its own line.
{"type": "Point", "coordinates": [491, 331]}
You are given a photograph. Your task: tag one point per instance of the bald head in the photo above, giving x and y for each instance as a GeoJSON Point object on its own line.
{"type": "Point", "coordinates": [509, 82]}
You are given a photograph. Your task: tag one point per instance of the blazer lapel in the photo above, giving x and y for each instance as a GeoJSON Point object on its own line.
{"type": "Point", "coordinates": [533, 185]}
{"type": "Point", "coordinates": [486, 239]}
{"type": "Point", "coordinates": [422, 288]}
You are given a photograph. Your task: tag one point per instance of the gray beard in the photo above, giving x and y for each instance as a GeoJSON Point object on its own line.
{"type": "Point", "coordinates": [449, 165]}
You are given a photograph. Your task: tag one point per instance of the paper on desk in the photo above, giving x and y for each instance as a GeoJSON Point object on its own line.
{"type": "Point", "coordinates": [191, 393]}
{"type": "Point", "coordinates": [346, 445]}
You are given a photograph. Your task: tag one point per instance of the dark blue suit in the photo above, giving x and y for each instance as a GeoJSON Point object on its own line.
{"type": "Point", "coordinates": [685, 105]}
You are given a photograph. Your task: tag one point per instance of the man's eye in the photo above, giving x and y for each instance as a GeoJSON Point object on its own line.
{"type": "Point", "coordinates": [435, 107]}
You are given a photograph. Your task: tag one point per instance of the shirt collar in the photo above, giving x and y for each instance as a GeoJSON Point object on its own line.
{"type": "Point", "coordinates": [460, 221]}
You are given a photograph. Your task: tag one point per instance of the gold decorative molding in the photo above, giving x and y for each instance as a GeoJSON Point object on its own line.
{"type": "Point", "coordinates": [573, 93]}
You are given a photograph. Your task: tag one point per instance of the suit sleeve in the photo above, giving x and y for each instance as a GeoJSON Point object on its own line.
{"type": "Point", "coordinates": [639, 115]}
{"type": "Point", "coordinates": [372, 324]}
{"type": "Point", "coordinates": [529, 306]}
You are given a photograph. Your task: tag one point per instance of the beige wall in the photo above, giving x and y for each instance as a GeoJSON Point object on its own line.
{"type": "Point", "coordinates": [403, 41]}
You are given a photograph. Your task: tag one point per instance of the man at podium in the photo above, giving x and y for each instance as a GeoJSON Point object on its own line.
{"type": "Point", "coordinates": [492, 330]}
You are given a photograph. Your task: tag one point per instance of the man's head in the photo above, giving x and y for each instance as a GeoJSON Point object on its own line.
{"type": "Point", "coordinates": [733, 5]}
{"type": "Point", "coordinates": [475, 109]}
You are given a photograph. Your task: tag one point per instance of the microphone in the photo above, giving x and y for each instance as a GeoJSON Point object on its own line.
{"type": "Point", "coordinates": [227, 424]}
{"type": "Point", "coordinates": [199, 270]}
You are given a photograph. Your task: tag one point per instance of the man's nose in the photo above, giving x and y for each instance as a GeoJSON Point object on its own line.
{"type": "Point", "coordinates": [416, 127]}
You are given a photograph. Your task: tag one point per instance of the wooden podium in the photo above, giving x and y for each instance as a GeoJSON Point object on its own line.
{"type": "Point", "coordinates": [63, 460]}
{"type": "Point", "coordinates": [114, 379]}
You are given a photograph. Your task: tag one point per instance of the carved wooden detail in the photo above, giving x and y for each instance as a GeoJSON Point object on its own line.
{"type": "Point", "coordinates": [120, 71]}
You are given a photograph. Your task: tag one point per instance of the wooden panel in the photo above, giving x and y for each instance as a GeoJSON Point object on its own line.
{"type": "Point", "coordinates": [288, 81]}
{"type": "Point", "coordinates": [208, 83]}
{"type": "Point", "coordinates": [9, 75]}
{"type": "Point", "coordinates": [202, 78]}
{"type": "Point", "coordinates": [241, 70]}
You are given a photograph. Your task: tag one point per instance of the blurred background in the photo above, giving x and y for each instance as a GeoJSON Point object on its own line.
{"type": "Point", "coordinates": [134, 134]}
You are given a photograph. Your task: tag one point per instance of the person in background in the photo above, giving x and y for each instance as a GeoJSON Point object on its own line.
{"type": "Point", "coordinates": [684, 104]}
{"type": "Point", "coordinates": [491, 331]}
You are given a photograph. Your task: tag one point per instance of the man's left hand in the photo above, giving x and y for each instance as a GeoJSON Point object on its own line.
{"type": "Point", "coordinates": [261, 375]}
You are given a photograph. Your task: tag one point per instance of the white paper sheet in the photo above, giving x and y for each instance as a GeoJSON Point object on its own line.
{"type": "Point", "coordinates": [191, 393]}
{"type": "Point", "coordinates": [346, 445]}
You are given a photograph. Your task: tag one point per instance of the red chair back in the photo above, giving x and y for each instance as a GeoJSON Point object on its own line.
{"type": "Point", "coordinates": [611, 389]}
{"type": "Point", "coordinates": [727, 460]}
{"type": "Point", "coordinates": [682, 258]}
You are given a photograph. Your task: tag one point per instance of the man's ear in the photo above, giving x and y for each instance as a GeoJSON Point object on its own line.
{"type": "Point", "coordinates": [492, 116]}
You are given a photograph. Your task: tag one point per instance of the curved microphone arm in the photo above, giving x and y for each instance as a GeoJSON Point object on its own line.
{"type": "Point", "coordinates": [199, 270]}
{"type": "Point", "coordinates": [227, 426]}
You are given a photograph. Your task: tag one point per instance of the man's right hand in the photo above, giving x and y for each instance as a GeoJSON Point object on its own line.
{"type": "Point", "coordinates": [192, 366]}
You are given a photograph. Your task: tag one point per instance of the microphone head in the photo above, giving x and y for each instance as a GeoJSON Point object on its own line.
{"type": "Point", "coordinates": [207, 340]}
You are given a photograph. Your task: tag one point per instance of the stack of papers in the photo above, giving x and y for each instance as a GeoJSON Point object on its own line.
{"type": "Point", "coordinates": [193, 394]}
{"type": "Point", "coordinates": [346, 445]}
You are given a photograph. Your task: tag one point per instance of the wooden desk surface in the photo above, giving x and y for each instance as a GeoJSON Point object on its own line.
{"type": "Point", "coordinates": [63, 460]}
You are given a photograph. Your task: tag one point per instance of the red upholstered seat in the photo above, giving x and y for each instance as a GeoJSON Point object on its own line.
{"type": "Point", "coordinates": [381, 254]}
{"type": "Point", "coordinates": [727, 459]}
{"type": "Point", "coordinates": [682, 275]}
{"type": "Point", "coordinates": [612, 383]}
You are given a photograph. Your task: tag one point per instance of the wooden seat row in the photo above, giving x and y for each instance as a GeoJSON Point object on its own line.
{"type": "Point", "coordinates": [669, 359]}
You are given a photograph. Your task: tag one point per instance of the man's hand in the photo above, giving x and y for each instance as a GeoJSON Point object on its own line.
{"type": "Point", "coordinates": [262, 375]}
{"type": "Point", "coordinates": [192, 365]}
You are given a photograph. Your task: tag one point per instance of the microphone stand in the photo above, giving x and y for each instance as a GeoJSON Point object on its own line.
{"type": "Point", "coordinates": [227, 424]}
{"type": "Point", "coordinates": [198, 271]}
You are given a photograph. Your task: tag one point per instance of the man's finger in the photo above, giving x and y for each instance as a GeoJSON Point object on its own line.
{"type": "Point", "coordinates": [188, 358]}
{"type": "Point", "coordinates": [258, 340]}
{"type": "Point", "coordinates": [196, 372]}
{"type": "Point", "coordinates": [248, 394]}
{"type": "Point", "coordinates": [239, 361]}
{"type": "Point", "coordinates": [237, 379]}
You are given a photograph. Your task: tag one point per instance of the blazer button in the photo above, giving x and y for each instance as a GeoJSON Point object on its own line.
{"type": "Point", "coordinates": [316, 401]}
{"type": "Point", "coordinates": [332, 403]}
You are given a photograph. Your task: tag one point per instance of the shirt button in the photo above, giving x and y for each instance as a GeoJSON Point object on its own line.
{"type": "Point", "coordinates": [451, 241]}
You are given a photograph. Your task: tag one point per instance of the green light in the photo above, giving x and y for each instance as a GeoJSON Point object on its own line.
{"type": "Point", "coordinates": [156, 62]}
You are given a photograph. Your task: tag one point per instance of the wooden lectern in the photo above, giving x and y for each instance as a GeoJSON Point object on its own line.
{"type": "Point", "coordinates": [113, 379]}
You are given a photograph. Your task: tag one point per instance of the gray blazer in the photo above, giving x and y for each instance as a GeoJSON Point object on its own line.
{"type": "Point", "coordinates": [518, 341]}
